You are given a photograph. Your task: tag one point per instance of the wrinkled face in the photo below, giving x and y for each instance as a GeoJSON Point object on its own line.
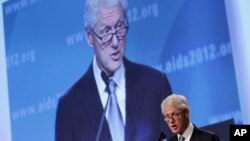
{"type": "Point", "coordinates": [176, 119]}
{"type": "Point", "coordinates": [109, 53]}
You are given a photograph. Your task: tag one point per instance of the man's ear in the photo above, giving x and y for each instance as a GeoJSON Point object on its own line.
{"type": "Point", "coordinates": [89, 37]}
{"type": "Point", "coordinates": [187, 114]}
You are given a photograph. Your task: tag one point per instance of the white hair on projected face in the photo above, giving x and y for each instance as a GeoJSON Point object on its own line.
{"type": "Point", "coordinates": [177, 101]}
{"type": "Point", "coordinates": [92, 7]}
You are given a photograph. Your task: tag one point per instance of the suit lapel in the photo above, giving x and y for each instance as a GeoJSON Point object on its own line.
{"type": "Point", "coordinates": [134, 99]}
{"type": "Point", "coordinates": [92, 104]}
{"type": "Point", "coordinates": [195, 134]}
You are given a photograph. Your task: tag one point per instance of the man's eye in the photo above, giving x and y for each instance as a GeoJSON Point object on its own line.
{"type": "Point", "coordinates": [106, 31]}
{"type": "Point", "coordinates": [120, 25]}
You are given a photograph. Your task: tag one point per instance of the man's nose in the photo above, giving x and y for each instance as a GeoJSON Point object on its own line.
{"type": "Point", "coordinates": [171, 119]}
{"type": "Point", "coordinates": [115, 41]}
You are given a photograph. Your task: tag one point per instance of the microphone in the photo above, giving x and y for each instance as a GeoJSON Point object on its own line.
{"type": "Point", "coordinates": [162, 137]}
{"type": "Point", "coordinates": [106, 80]}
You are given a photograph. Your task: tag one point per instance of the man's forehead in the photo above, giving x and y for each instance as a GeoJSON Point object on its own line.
{"type": "Point", "coordinates": [171, 109]}
{"type": "Point", "coordinates": [110, 18]}
{"type": "Point", "coordinates": [111, 13]}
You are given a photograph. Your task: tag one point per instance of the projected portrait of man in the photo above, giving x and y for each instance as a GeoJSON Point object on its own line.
{"type": "Point", "coordinates": [115, 99]}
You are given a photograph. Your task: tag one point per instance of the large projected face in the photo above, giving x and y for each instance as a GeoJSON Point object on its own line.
{"type": "Point", "coordinates": [108, 38]}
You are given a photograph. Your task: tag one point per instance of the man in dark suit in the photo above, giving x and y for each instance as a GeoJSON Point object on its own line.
{"type": "Point", "coordinates": [82, 113]}
{"type": "Point", "coordinates": [176, 112]}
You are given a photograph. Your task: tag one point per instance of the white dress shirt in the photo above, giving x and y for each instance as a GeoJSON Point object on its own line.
{"type": "Point", "coordinates": [188, 132]}
{"type": "Point", "coordinates": [120, 91]}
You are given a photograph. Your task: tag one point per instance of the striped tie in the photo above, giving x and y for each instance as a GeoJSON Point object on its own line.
{"type": "Point", "coordinates": [114, 116]}
{"type": "Point", "coordinates": [181, 138]}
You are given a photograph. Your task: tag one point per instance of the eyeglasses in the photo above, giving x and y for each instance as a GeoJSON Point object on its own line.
{"type": "Point", "coordinates": [107, 37]}
{"type": "Point", "coordinates": [174, 116]}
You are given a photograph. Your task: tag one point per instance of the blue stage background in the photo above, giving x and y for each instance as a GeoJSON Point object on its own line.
{"type": "Point", "coordinates": [46, 53]}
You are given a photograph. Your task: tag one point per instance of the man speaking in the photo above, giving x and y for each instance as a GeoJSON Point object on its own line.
{"type": "Point", "coordinates": [115, 99]}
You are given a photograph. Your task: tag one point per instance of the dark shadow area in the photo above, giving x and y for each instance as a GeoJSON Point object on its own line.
{"type": "Point", "coordinates": [221, 129]}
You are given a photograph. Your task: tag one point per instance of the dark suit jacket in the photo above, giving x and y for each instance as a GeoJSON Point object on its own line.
{"type": "Point", "coordinates": [199, 135]}
{"type": "Point", "coordinates": [79, 111]}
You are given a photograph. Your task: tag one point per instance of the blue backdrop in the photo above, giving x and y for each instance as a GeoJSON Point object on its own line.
{"type": "Point", "coordinates": [46, 53]}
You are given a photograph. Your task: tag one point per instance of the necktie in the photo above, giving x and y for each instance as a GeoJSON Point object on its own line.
{"type": "Point", "coordinates": [114, 117]}
{"type": "Point", "coordinates": [181, 138]}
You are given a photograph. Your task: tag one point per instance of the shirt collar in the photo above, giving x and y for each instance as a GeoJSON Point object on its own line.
{"type": "Point", "coordinates": [98, 79]}
{"type": "Point", "coordinates": [118, 77]}
{"type": "Point", "coordinates": [188, 132]}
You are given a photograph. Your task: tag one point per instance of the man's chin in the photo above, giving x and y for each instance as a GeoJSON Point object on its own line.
{"type": "Point", "coordinates": [115, 66]}
{"type": "Point", "coordinates": [174, 131]}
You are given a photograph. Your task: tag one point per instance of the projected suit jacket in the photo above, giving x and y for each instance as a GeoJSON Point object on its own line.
{"type": "Point", "coordinates": [79, 111]}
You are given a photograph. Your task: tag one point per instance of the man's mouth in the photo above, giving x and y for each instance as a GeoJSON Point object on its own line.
{"type": "Point", "coordinates": [115, 55]}
{"type": "Point", "coordinates": [174, 127]}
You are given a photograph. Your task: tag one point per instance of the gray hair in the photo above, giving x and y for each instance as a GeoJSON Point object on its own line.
{"type": "Point", "coordinates": [174, 100]}
{"type": "Point", "coordinates": [93, 6]}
